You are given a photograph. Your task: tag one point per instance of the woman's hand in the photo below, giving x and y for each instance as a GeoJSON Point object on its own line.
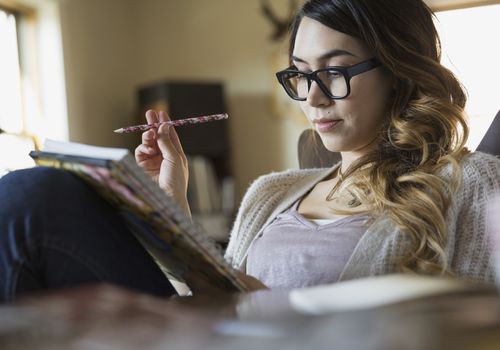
{"type": "Point", "coordinates": [161, 156]}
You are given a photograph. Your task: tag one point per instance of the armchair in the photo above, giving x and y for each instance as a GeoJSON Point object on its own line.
{"type": "Point", "coordinates": [491, 140]}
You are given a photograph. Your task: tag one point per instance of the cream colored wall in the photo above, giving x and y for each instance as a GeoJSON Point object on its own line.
{"type": "Point", "coordinates": [223, 40]}
{"type": "Point", "coordinates": [112, 47]}
{"type": "Point", "coordinates": [100, 63]}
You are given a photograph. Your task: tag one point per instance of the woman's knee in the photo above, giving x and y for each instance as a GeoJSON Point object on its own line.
{"type": "Point", "coordinates": [35, 186]}
{"type": "Point", "coordinates": [40, 188]}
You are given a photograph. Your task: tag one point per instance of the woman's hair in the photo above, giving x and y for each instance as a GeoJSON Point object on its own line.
{"type": "Point", "coordinates": [425, 132]}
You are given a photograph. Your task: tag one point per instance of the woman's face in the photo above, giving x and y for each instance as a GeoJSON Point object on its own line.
{"type": "Point", "coordinates": [351, 124]}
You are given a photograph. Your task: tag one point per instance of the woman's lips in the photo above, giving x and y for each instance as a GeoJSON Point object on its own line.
{"type": "Point", "coordinates": [326, 125]}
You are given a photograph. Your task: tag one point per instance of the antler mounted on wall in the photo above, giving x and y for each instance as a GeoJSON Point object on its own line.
{"type": "Point", "coordinates": [280, 25]}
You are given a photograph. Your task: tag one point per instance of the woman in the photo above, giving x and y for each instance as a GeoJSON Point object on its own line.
{"type": "Point", "coordinates": [407, 195]}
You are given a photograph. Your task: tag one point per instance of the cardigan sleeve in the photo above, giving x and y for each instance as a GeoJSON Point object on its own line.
{"type": "Point", "coordinates": [249, 201]}
{"type": "Point", "coordinates": [472, 249]}
{"type": "Point", "coordinates": [263, 196]}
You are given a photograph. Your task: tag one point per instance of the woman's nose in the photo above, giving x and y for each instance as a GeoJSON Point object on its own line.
{"type": "Point", "coordinates": [316, 97]}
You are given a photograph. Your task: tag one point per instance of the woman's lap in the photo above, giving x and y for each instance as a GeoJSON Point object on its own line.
{"type": "Point", "coordinates": [56, 232]}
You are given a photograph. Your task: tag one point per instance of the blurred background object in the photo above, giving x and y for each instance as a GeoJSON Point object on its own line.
{"type": "Point", "coordinates": [280, 23]}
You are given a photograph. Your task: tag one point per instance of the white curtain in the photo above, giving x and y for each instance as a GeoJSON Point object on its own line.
{"type": "Point", "coordinates": [11, 116]}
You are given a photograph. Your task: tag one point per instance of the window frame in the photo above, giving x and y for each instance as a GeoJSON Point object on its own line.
{"type": "Point", "coordinates": [443, 5]}
{"type": "Point", "coordinates": [25, 17]}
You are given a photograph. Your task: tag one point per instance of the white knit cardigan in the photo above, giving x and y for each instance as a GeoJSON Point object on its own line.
{"type": "Point", "coordinates": [468, 249]}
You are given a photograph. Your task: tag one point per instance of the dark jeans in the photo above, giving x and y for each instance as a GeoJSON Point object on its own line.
{"type": "Point", "coordinates": [56, 232]}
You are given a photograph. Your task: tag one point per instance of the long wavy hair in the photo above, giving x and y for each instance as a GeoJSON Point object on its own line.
{"type": "Point", "coordinates": [425, 131]}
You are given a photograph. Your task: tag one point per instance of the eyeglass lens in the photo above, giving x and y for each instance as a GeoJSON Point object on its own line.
{"type": "Point", "coordinates": [334, 81]}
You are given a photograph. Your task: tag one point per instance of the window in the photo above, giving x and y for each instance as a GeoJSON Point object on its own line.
{"type": "Point", "coordinates": [470, 49]}
{"type": "Point", "coordinates": [10, 84]}
{"type": "Point", "coordinates": [14, 142]}
{"type": "Point", "coordinates": [32, 89]}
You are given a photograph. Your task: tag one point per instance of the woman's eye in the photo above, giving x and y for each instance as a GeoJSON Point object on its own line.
{"type": "Point", "coordinates": [332, 74]}
{"type": "Point", "coordinates": [301, 76]}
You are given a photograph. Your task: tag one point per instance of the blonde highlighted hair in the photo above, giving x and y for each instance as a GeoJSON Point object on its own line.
{"type": "Point", "coordinates": [426, 128]}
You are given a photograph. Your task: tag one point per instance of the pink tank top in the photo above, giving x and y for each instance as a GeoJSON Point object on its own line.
{"type": "Point", "coordinates": [294, 252]}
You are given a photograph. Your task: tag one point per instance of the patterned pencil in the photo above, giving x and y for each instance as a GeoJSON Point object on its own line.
{"type": "Point", "coordinates": [179, 122]}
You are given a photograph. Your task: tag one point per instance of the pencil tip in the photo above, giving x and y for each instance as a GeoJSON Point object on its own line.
{"type": "Point", "coordinates": [118, 131]}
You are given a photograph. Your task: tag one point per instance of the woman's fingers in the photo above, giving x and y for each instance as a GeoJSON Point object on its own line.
{"type": "Point", "coordinates": [163, 139]}
{"type": "Point", "coordinates": [177, 143]}
{"type": "Point", "coordinates": [174, 138]}
{"type": "Point", "coordinates": [152, 116]}
{"type": "Point", "coordinates": [163, 116]}
{"type": "Point", "coordinates": [143, 149]}
{"type": "Point", "coordinates": [149, 147]}
{"type": "Point", "coordinates": [149, 137]}
{"type": "Point", "coordinates": [170, 145]}
{"type": "Point", "coordinates": [165, 143]}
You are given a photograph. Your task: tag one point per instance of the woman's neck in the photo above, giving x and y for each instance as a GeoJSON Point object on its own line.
{"type": "Point", "coordinates": [348, 158]}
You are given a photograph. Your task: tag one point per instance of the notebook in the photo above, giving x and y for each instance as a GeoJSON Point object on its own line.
{"type": "Point", "coordinates": [182, 249]}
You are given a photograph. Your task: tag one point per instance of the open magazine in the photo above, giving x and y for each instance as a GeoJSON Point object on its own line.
{"type": "Point", "coordinates": [181, 248]}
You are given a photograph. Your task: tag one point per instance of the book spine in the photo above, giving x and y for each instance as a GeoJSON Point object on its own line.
{"type": "Point", "coordinates": [171, 212]}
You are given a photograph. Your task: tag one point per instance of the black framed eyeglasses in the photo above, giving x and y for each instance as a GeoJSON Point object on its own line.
{"type": "Point", "coordinates": [333, 81]}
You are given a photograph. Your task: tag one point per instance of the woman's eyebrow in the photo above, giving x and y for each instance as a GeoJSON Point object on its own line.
{"type": "Point", "coordinates": [327, 55]}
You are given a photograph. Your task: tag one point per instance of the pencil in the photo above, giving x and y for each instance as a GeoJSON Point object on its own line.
{"type": "Point", "coordinates": [179, 122]}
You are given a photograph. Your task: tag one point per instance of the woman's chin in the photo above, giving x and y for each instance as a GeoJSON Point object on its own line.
{"type": "Point", "coordinates": [331, 145]}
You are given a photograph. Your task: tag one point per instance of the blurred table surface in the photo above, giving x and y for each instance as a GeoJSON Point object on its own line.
{"type": "Point", "coordinates": [107, 317]}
